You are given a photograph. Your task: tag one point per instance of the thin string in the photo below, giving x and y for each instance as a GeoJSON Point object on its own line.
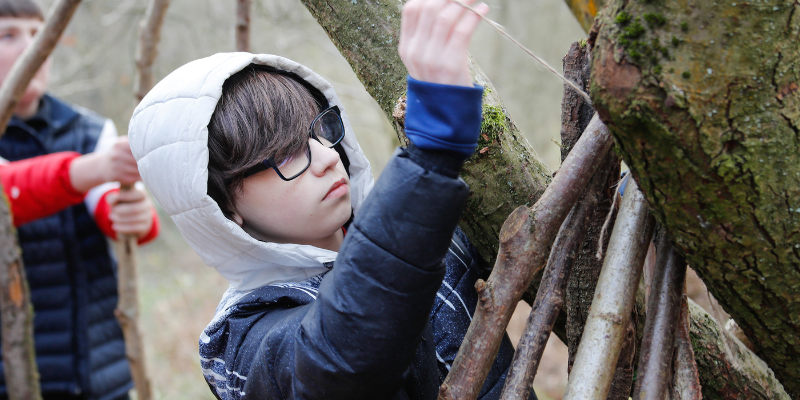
{"type": "Point", "coordinates": [503, 32]}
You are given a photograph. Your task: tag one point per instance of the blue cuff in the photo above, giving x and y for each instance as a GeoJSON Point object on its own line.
{"type": "Point", "coordinates": [444, 117]}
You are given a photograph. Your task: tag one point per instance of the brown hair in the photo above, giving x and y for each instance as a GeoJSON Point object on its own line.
{"type": "Point", "coordinates": [21, 9]}
{"type": "Point", "coordinates": [262, 113]}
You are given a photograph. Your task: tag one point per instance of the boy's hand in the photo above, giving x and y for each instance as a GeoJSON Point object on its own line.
{"type": "Point", "coordinates": [119, 164]}
{"type": "Point", "coordinates": [434, 39]}
{"type": "Point", "coordinates": [131, 212]}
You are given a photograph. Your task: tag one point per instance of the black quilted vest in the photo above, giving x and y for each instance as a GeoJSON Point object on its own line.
{"type": "Point", "coordinates": [79, 345]}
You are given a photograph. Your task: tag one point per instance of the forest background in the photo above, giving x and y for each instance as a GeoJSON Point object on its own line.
{"type": "Point", "coordinates": [94, 67]}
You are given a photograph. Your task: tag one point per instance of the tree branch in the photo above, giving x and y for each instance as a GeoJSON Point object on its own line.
{"type": "Point", "coordinates": [685, 378]}
{"type": "Point", "coordinates": [33, 57]}
{"type": "Point", "coordinates": [613, 301]}
{"type": "Point", "coordinates": [525, 241]}
{"type": "Point", "coordinates": [147, 47]}
{"type": "Point", "coordinates": [243, 25]}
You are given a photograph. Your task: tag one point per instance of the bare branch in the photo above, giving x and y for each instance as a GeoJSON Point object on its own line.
{"type": "Point", "coordinates": [525, 241]}
{"type": "Point", "coordinates": [663, 311]}
{"type": "Point", "coordinates": [33, 57]}
{"type": "Point", "coordinates": [613, 301]}
{"type": "Point", "coordinates": [147, 48]}
{"type": "Point", "coordinates": [550, 297]}
{"type": "Point", "coordinates": [243, 25]}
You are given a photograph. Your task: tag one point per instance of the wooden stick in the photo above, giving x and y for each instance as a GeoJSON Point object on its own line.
{"type": "Point", "coordinates": [525, 241]}
{"type": "Point", "coordinates": [19, 355]}
{"type": "Point", "coordinates": [686, 378]}
{"type": "Point", "coordinates": [33, 57]}
{"type": "Point", "coordinates": [243, 25]}
{"type": "Point", "coordinates": [147, 47]}
{"type": "Point", "coordinates": [127, 311]}
{"type": "Point", "coordinates": [663, 312]}
{"type": "Point", "coordinates": [613, 301]}
{"type": "Point", "coordinates": [550, 297]}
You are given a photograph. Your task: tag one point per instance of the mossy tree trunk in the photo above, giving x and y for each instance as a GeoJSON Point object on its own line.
{"type": "Point", "coordinates": [704, 101]}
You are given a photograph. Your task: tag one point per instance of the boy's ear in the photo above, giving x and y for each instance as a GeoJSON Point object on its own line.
{"type": "Point", "coordinates": [237, 219]}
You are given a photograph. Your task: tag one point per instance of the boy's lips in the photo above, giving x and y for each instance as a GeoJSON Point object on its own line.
{"type": "Point", "coordinates": [338, 189]}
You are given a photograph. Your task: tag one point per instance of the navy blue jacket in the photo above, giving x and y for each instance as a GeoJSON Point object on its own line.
{"type": "Point", "coordinates": [79, 345]}
{"type": "Point", "coordinates": [382, 324]}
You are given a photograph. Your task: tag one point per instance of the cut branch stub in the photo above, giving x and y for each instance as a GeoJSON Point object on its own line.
{"type": "Point", "coordinates": [613, 301]}
{"type": "Point", "coordinates": [663, 311]}
{"type": "Point", "coordinates": [525, 241]}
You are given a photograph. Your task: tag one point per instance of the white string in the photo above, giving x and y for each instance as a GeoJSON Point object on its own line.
{"type": "Point", "coordinates": [503, 32]}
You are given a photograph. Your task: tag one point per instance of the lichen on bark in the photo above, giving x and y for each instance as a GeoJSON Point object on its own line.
{"type": "Point", "coordinates": [703, 100]}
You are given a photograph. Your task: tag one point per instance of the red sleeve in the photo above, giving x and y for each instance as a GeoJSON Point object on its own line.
{"type": "Point", "coordinates": [101, 218]}
{"type": "Point", "coordinates": [39, 186]}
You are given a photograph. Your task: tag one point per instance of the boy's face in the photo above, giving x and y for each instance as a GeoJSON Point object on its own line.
{"type": "Point", "coordinates": [309, 209]}
{"type": "Point", "coordinates": [16, 34]}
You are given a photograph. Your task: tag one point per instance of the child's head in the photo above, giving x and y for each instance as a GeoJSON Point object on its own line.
{"type": "Point", "coordinates": [265, 114]}
{"type": "Point", "coordinates": [19, 21]}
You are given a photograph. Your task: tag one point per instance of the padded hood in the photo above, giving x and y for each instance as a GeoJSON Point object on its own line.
{"type": "Point", "coordinates": [168, 135]}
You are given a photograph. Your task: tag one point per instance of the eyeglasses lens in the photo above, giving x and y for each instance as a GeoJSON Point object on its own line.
{"type": "Point", "coordinates": [295, 164]}
{"type": "Point", "coordinates": [328, 128]}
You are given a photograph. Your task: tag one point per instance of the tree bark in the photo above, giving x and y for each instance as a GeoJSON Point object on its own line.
{"type": "Point", "coordinates": [243, 8]}
{"type": "Point", "coordinates": [16, 314]}
{"type": "Point", "coordinates": [19, 355]}
{"type": "Point", "coordinates": [705, 106]}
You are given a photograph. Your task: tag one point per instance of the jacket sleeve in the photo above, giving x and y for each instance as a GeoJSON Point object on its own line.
{"type": "Point", "coordinates": [39, 186]}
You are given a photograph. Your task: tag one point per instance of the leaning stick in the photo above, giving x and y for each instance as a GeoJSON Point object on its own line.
{"type": "Point", "coordinates": [243, 25]}
{"type": "Point", "coordinates": [604, 331]}
{"type": "Point", "coordinates": [19, 355]}
{"type": "Point", "coordinates": [685, 379]}
{"type": "Point", "coordinates": [550, 297]}
{"type": "Point", "coordinates": [525, 241]}
{"type": "Point", "coordinates": [663, 311]}
{"type": "Point", "coordinates": [127, 311]}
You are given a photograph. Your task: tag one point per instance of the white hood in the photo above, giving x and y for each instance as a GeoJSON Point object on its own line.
{"type": "Point", "coordinates": [169, 137]}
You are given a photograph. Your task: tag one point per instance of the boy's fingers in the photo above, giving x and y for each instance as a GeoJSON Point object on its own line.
{"type": "Point", "coordinates": [466, 26]}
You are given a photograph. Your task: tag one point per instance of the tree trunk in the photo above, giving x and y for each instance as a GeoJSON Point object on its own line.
{"type": "Point", "coordinates": [704, 102]}
{"type": "Point", "coordinates": [243, 8]}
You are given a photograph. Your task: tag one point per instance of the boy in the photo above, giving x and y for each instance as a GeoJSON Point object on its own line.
{"type": "Point", "coordinates": [254, 158]}
{"type": "Point", "coordinates": [79, 346]}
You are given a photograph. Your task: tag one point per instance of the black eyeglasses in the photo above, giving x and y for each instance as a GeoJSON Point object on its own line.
{"type": "Point", "coordinates": [327, 129]}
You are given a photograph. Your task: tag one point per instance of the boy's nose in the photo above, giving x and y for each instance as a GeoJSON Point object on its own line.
{"type": "Point", "coordinates": [322, 158]}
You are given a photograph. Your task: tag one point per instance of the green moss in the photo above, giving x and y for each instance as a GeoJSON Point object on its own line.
{"type": "Point", "coordinates": [686, 74]}
{"type": "Point", "coordinates": [622, 18]}
{"type": "Point", "coordinates": [657, 69]}
{"type": "Point", "coordinates": [583, 43]}
{"type": "Point", "coordinates": [633, 31]}
{"type": "Point", "coordinates": [675, 41]}
{"type": "Point", "coordinates": [685, 26]}
{"type": "Point", "coordinates": [494, 123]}
{"type": "Point", "coordinates": [654, 20]}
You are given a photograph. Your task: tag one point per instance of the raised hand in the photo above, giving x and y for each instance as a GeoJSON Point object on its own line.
{"type": "Point", "coordinates": [434, 40]}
